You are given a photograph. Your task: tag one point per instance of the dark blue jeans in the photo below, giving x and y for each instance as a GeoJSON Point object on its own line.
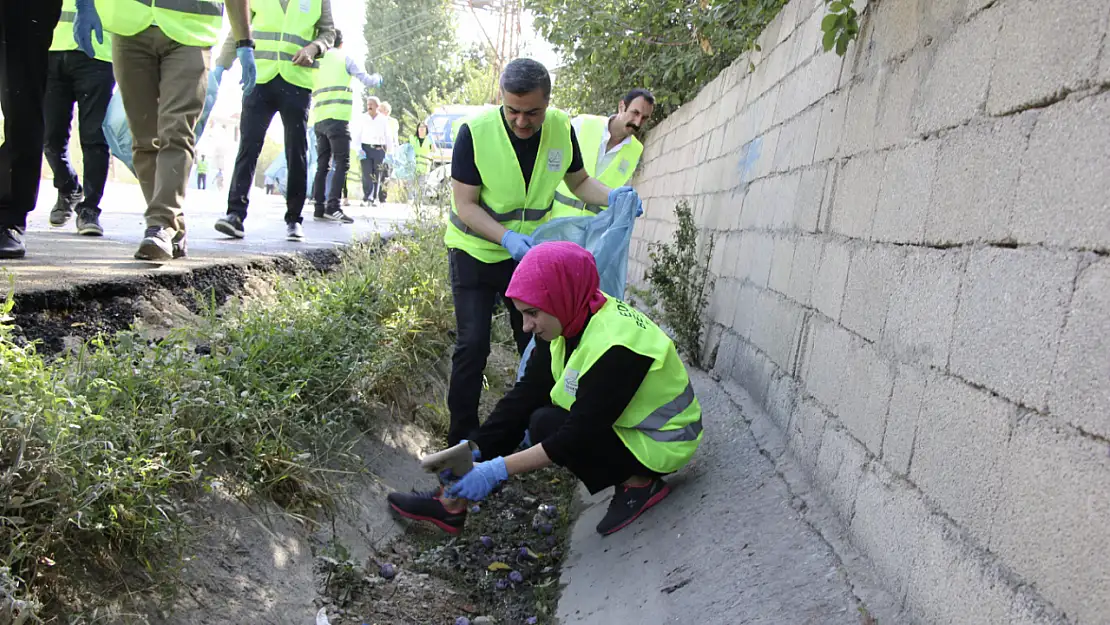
{"type": "Point", "coordinates": [77, 79]}
{"type": "Point", "coordinates": [333, 140]}
{"type": "Point", "coordinates": [291, 102]}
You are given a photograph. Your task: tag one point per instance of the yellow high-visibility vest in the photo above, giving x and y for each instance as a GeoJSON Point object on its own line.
{"type": "Point", "coordinates": [617, 173]}
{"type": "Point", "coordinates": [188, 22]}
{"type": "Point", "coordinates": [279, 34]}
{"type": "Point", "coordinates": [423, 153]}
{"type": "Point", "coordinates": [63, 35]}
{"type": "Point", "coordinates": [332, 96]}
{"type": "Point", "coordinates": [503, 195]}
{"type": "Point", "coordinates": [661, 426]}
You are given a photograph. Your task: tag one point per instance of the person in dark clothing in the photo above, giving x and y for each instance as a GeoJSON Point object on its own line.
{"type": "Point", "coordinates": [76, 79]}
{"type": "Point", "coordinates": [26, 32]}
{"type": "Point", "coordinates": [604, 394]}
{"type": "Point", "coordinates": [527, 149]}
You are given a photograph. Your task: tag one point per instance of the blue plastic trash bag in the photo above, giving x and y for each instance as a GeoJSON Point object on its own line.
{"type": "Point", "coordinates": [607, 236]}
{"type": "Point", "coordinates": [278, 171]}
{"type": "Point", "coordinates": [402, 160]}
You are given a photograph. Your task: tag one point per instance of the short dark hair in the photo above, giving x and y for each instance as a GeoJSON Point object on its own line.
{"type": "Point", "coordinates": [525, 76]}
{"type": "Point", "coordinates": [338, 38]}
{"type": "Point", "coordinates": [639, 92]}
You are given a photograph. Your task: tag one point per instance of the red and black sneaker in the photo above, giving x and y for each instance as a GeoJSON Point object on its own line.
{"type": "Point", "coordinates": [428, 506]}
{"type": "Point", "coordinates": [629, 502]}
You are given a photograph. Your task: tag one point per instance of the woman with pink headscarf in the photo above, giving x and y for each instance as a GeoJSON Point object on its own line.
{"type": "Point", "coordinates": [604, 394]}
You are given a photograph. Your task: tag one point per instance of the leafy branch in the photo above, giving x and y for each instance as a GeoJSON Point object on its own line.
{"type": "Point", "coordinates": [841, 26]}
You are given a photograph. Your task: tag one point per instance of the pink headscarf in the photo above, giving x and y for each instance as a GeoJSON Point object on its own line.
{"type": "Point", "coordinates": [560, 278]}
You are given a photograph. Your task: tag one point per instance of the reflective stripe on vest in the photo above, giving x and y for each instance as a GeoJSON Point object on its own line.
{"type": "Point", "coordinates": [63, 35]}
{"type": "Point", "coordinates": [662, 424]}
{"type": "Point", "coordinates": [616, 174]}
{"type": "Point", "coordinates": [194, 23]}
{"type": "Point", "coordinates": [503, 194]}
{"type": "Point", "coordinates": [421, 151]}
{"type": "Point", "coordinates": [332, 97]}
{"type": "Point", "coordinates": [279, 34]}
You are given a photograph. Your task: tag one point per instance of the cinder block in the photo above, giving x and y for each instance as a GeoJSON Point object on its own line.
{"type": "Point", "coordinates": [722, 298]}
{"type": "Point", "coordinates": [803, 270]}
{"type": "Point", "coordinates": [763, 165]}
{"type": "Point", "coordinates": [776, 328]}
{"type": "Point", "coordinates": [747, 299]}
{"type": "Point", "coordinates": [807, 429]}
{"type": "Point", "coordinates": [955, 88]}
{"type": "Point", "coordinates": [1063, 198]}
{"type": "Point", "coordinates": [1052, 526]}
{"type": "Point", "coordinates": [888, 522]}
{"type": "Point", "coordinates": [763, 247]}
{"type": "Point", "coordinates": [956, 457]}
{"type": "Point", "coordinates": [832, 278]}
{"type": "Point", "coordinates": [865, 400]}
{"type": "Point", "coordinates": [922, 312]}
{"type": "Point", "coordinates": [782, 395]}
{"type": "Point", "coordinates": [895, 123]}
{"type": "Point", "coordinates": [839, 470]}
{"type": "Point", "coordinates": [832, 125]}
{"type": "Point", "coordinates": [796, 141]}
{"type": "Point", "coordinates": [859, 126]}
{"type": "Point", "coordinates": [1047, 47]}
{"type": "Point", "coordinates": [874, 273]}
{"type": "Point", "coordinates": [783, 201]}
{"type": "Point", "coordinates": [902, 419]}
{"type": "Point", "coordinates": [1080, 393]}
{"type": "Point", "coordinates": [824, 374]}
{"type": "Point", "coordinates": [896, 27]}
{"type": "Point", "coordinates": [903, 203]}
{"type": "Point", "coordinates": [857, 193]}
{"type": "Point", "coordinates": [1012, 307]}
{"type": "Point", "coordinates": [978, 167]}
{"type": "Point", "coordinates": [781, 260]}
{"type": "Point", "coordinates": [807, 202]}
{"type": "Point", "coordinates": [788, 17]}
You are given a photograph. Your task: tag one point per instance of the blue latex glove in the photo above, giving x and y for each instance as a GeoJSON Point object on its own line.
{"type": "Point", "coordinates": [483, 478]}
{"type": "Point", "coordinates": [447, 476]}
{"type": "Point", "coordinates": [361, 154]}
{"type": "Point", "coordinates": [214, 78]}
{"type": "Point", "coordinates": [85, 24]}
{"type": "Point", "coordinates": [376, 79]}
{"type": "Point", "coordinates": [250, 71]}
{"type": "Point", "coordinates": [518, 244]}
{"type": "Point", "coordinates": [619, 191]}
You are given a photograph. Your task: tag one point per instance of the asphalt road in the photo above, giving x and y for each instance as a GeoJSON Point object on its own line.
{"type": "Point", "coordinates": [59, 257]}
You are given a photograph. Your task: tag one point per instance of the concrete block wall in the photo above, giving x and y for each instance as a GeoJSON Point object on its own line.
{"type": "Point", "coordinates": [913, 278]}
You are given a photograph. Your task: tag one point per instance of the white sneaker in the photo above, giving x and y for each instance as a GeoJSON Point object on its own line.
{"type": "Point", "coordinates": [294, 232]}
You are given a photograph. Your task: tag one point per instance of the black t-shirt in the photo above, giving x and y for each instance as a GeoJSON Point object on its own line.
{"type": "Point", "coordinates": [465, 170]}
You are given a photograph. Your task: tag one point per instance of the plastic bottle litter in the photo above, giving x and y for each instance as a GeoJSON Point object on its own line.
{"type": "Point", "coordinates": [322, 617]}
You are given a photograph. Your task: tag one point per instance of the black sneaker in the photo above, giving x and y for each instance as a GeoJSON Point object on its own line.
{"type": "Point", "coordinates": [63, 209]}
{"type": "Point", "coordinates": [88, 224]}
{"type": "Point", "coordinates": [11, 243]}
{"type": "Point", "coordinates": [629, 502]}
{"type": "Point", "coordinates": [337, 216]}
{"type": "Point", "coordinates": [231, 225]}
{"type": "Point", "coordinates": [428, 506]}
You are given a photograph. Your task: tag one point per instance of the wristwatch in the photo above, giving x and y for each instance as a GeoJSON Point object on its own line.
{"type": "Point", "coordinates": [245, 43]}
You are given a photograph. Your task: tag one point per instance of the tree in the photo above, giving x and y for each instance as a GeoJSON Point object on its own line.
{"type": "Point", "coordinates": [412, 45]}
{"type": "Point", "coordinates": [673, 47]}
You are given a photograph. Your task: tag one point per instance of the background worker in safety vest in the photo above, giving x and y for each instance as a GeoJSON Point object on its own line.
{"type": "Point", "coordinates": [333, 100]}
{"type": "Point", "coordinates": [77, 79]}
{"type": "Point", "coordinates": [26, 32]}
{"type": "Point", "coordinates": [505, 165]}
{"type": "Point", "coordinates": [610, 150]}
{"type": "Point", "coordinates": [160, 54]}
{"type": "Point", "coordinates": [604, 395]}
{"type": "Point", "coordinates": [422, 146]}
{"type": "Point", "coordinates": [290, 35]}
{"type": "Point", "coordinates": [202, 174]}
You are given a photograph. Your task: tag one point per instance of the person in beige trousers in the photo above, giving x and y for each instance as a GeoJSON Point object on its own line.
{"type": "Point", "coordinates": [161, 56]}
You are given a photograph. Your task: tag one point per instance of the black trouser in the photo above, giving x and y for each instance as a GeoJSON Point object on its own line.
{"type": "Point", "coordinates": [602, 461]}
{"type": "Point", "coordinates": [371, 171]}
{"type": "Point", "coordinates": [75, 78]}
{"type": "Point", "coordinates": [26, 31]}
{"type": "Point", "coordinates": [475, 288]}
{"type": "Point", "coordinates": [333, 139]}
{"type": "Point", "coordinates": [291, 102]}
{"type": "Point", "coordinates": [202, 181]}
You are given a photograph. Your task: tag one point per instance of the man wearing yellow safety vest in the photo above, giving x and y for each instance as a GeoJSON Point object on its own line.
{"type": "Point", "coordinates": [605, 395]}
{"type": "Point", "coordinates": [291, 35]}
{"type": "Point", "coordinates": [505, 165]}
{"type": "Point", "coordinates": [333, 100]}
{"type": "Point", "coordinates": [76, 79]}
{"type": "Point", "coordinates": [160, 54]}
{"type": "Point", "coordinates": [26, 30]}
{"type": "Point", "coordinates": [610, 150]}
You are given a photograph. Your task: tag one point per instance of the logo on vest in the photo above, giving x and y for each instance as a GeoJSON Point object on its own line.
{"type": "Point", "coordinates": [306, 6]}
{"type": "Point", "coordinates": [623, 166]}
{"type": "Point", "coordinates": [554, 160]}
{"type": "Point", "coordinates": [570, 382]}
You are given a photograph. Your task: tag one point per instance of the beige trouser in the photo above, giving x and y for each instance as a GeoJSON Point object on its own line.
{"type": "Point", "coordinates": [162, 84]}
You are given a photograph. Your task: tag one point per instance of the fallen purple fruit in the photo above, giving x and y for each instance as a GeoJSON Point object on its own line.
{"type": "Point", "coordinates": [546, 528]}
{"type": "Point", "coordinates": [548, 510]}
{"type": "Point", "coordinates": [486, 541]}
{"type": "Point", "coordinates": [524, 553]}
{"type": "Point", "coordinates": [502, 584]}
{"type": "Point", "coordinates": [387, 571]}
{"type": "Point", "coordinates": [462, 620]}
{"type": "Point", "coordinates": [552, 541]}
{"type": "Point", "coordinates": [531, 620]}
{"type": "Point", "coordinates": [516, 578]}
{"type": "Point", "coordinates": [475, 508]}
